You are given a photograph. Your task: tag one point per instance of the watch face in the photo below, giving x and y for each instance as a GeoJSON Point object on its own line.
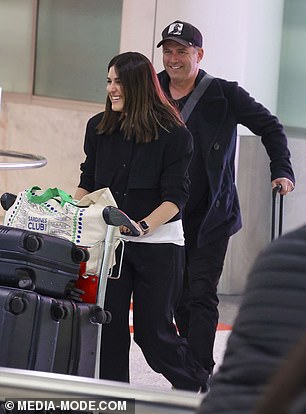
{"type": "Point", "coordinates": [144, 225]}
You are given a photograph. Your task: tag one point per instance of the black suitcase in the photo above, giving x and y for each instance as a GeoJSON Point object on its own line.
{"type": "Point", "coordinates": [46, 334]}
{"type": "Point", "coordinates": [29, 326]}
{"type": "Point", "coordinates": [39, 262]}
{"type": "Point", "coordinates": [77, 339]}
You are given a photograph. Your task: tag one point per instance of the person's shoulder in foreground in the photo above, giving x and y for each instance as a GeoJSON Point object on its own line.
{"type": "Point", "coordinates": [270, 321]}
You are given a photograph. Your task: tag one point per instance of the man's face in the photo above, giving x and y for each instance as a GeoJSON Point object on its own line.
{"type": "Point", "coordinates": [181, 62]}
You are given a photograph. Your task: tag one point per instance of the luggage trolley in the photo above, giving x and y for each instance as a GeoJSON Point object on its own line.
{"type": "Point", "coordinates": [113, 218]}
{"type": "Point", "coordinates": [77, 322]}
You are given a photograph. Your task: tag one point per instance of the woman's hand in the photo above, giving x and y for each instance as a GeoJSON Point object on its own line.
{"type": "Point", "coordinates": [80, 193]}
{"type": "Point", "coordinates": [127, 232]}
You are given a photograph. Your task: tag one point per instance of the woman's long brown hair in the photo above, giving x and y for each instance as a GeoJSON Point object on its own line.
{"type": "Point", "coordinates": [146, 107]}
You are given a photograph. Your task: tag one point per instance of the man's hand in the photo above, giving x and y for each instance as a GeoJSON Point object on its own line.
{"type": "Point", "coordinates": [287, 185]}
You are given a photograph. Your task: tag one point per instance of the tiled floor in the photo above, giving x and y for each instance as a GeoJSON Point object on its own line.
{"type": "Point", "coordinates": [142, 375]}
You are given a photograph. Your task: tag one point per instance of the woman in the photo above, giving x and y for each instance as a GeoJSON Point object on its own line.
{"type": "Point", "coordinates": [141, 150]}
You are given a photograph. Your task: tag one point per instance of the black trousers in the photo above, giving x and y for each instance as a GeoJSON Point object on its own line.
{"type": "Point", "coordinates": [197, 313]}
{"type": "Point", "coordinates": [153, 273]}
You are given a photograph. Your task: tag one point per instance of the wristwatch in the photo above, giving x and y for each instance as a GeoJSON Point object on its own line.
{"type": "Point", "coordinates": [144, 226]}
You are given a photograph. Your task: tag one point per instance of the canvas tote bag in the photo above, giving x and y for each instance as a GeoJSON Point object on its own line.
{"type": "Point", "coordinates": [55, 212]}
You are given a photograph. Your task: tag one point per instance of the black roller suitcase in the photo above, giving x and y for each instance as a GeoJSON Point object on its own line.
{"type": "Point", "coordinates": [77, 339]}
{"type": "Point", "coordinates": [39, 262]}
{"type": "Point", "coordinates": [29, 326]}
{"type": "Point", "coordinates": [45, 334]}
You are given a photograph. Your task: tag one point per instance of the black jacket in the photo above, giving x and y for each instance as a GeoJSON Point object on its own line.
{"type": "Point", "coordinates": [270, 321]}
{"type": "Point", "coordinates": [140, 176]}
{"type": "Point", "coordinates": [214, 122]}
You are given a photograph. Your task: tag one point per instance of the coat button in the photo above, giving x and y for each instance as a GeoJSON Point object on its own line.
{"type": "Point", "coordinates": [217, 203]}
{"type": "Point", "coordinates": [216, 146]}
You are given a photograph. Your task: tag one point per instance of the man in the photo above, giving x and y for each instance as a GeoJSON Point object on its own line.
{"type": "Point", "coordinates": [212, 213]}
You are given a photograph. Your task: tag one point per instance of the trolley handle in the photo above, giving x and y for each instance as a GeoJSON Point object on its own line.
{"type": "Point", "coordinates": [113, 216]}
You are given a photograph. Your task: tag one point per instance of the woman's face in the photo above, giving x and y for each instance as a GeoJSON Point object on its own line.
{"type": "Point", "coordinates": [114, 90]}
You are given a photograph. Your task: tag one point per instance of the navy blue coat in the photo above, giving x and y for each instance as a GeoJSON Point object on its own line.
{"type": "Point", "coordinates": [214, 121]}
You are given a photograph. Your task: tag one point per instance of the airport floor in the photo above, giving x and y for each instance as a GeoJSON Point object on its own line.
{"type": "Point", "coordinates": [143, 376]}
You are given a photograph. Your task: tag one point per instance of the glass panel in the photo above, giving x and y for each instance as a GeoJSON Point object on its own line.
{"type": "Point", "coordinates": [292, 83]}
{"type": "Point", "coordinates": [15, 45]}
{"type": "Point", "coordinates": [75, 41]}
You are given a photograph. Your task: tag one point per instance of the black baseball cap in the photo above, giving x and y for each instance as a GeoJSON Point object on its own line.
{"type": "Point", "coordinates": [183, 33]}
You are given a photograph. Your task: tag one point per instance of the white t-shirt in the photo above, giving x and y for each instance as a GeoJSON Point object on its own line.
{"type": "Point", "coordinates": [167, 233]}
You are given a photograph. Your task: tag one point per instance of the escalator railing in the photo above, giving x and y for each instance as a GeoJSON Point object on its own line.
{"type": "Point", "coordinates": [22, 160]}
{"type": "Point", "coordinates": [24, 384]}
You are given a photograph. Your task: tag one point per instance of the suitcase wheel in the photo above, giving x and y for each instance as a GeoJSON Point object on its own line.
{"type": "Point", "coordinates": [32, 243]}
{"type": "Point", "coordinates": [99, 315]}
{"type": "Point", "coordinates": [58, 311]}
{"type": "Point", "coordinates": [17, 305]}
{"type": "Point", "coordinates": [79, 254]}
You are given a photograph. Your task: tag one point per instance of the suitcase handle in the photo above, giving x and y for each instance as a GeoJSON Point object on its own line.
{"type": "Point", "coordinates": [275, 191]}
{"type": "Point", "coordinates": [7, 200]}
